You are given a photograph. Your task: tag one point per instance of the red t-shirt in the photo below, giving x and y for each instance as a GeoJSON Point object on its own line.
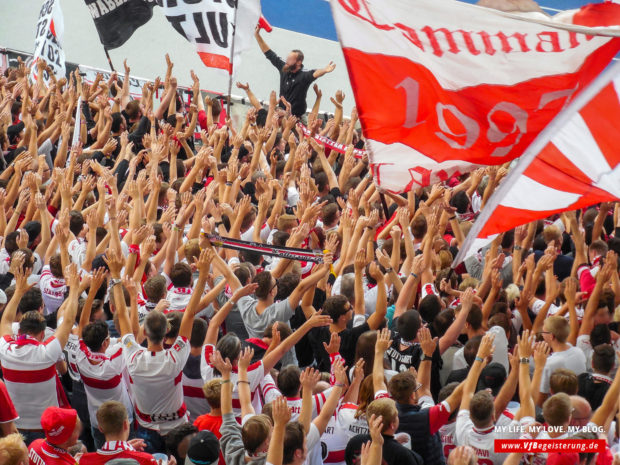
{"type": "Point", "coordinates": [41, 452]}
{"type": "Point", "coordinates": [7, 409]}
{"type": "Point", "coordinates": [209, 423]}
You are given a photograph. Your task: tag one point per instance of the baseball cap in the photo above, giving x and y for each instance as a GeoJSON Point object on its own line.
{"type": "Point", "coordinates": [58, 424]}
{"type": "Point", "coordinates": [559, 458]}
{"type": "Point", "coordinates": [493, 377]}
{"type": "Point", "coordinates": [204, 449]}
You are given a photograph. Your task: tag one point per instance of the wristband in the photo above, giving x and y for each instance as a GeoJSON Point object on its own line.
{"type": "Point", "coordinates": [339, 385]}
{"type": "Point", "coordinates": [246, 382]}
{"type": "Point", "coordinates": [414, 275]}
{"type": "Point", "coordinates": [517, 247]}
{"type": "Point", "coordinates": [389, 270]}
{"type": "Point", "coordinates": [134, 248]}
{"type": "Point", "coordinates": [224, 381]}
{"type": "Point", "coordinates": [176, 227]}
{"type": "Point", "coordinates": [524, 360]}
{"type": "Point", "coordinates": [229, 183]}
{"type": "Point", "coordinates": [479, 359]}
{"type": "Point", "coordinates": [452, 218]}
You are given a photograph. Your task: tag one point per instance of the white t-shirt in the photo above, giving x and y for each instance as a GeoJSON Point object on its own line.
{"type": "Point", "coordinates": [52, 290]}
{"type": "Point", "coordinates": [483, 441]}
{"type": "Point", "coordinates": [29, 370]}
{"type": "Point", "coordinates": [572, 359]}
{"type": "Point", "coordinates": [156, 383]}
{"type": "Point", "coordinates": [103, 380]}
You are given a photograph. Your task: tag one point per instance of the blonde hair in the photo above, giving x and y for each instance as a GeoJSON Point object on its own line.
{"type": "Point", "coordinates": [384, 407]}
{"type": "Point", "coordinates": [558, 326]}
{"type": "Point", "coordinates": [13, 450]}
{"type": "Point", "coordinates": [212, 391]}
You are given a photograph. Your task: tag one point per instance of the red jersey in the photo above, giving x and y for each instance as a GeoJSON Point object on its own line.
{"type": "Point", "coordinates": [41, 452]}
{"type": "Point", "coordinates": [213, 424]}
{"type": "Point", "coordinates": [116, 450]}
{"type": "Point", "coordinates": [7, 409]}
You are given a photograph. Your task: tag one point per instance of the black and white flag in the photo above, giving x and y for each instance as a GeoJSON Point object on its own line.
{"type": "Point", "coordinates": [48, 39]}
{"type": "Point", "coordinates": [116, 20]}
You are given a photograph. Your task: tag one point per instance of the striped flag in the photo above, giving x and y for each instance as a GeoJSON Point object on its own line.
{"type": "Point", "coordinates": [443, 87]}
{"type": "Point", "coordinates": [574, 163]}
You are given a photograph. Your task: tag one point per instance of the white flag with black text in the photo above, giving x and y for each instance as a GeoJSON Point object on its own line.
{"type": "Point", "coordinates": [48, 41]}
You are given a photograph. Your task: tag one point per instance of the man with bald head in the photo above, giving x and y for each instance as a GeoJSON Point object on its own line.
{"type": "Point", "coordinates": [582, 412]}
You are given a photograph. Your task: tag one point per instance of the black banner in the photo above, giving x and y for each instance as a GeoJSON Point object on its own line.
{"type": "Point", "coordinates": [116, 20]}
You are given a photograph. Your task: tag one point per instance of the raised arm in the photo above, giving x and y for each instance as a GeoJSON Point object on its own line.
{"type": "Point", "coordinates": [484, 351]}
{"type": "Point", "coordinates": [21, 286]}
{"type": "Point", "coordinates": [378, 317]}
{"type": "Point", "coordinates": [203, 264]}
{"type": "Point", "coordinates": [330, 405]}
{"type": "Point", "coordinates": [309, 377]}
{"type": "Point", "coordinates": [220, 316]}
{"type": "Point", "coordinates": [609, 403]}
{"type": "Point", "coordinates": [243, 385]}
{"type": "Point", "coordinates": [281, 416]}
{"type": "Point", "coordinates": [73, 281]}
{"type": "Point", "coordinates": [525, 345]}
{"type": "Point", "coordinates": [383, 343]}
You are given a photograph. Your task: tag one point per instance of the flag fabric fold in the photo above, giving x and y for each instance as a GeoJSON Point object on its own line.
{"type": "Point", "coordinates": [444, 87]}
{"type": "Point", "coordinates": [219, 30]}
{"type": "Point", "coordinates": [574, 163]}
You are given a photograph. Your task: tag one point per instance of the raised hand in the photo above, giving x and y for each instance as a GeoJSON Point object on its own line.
{"type": "Point", "coordinates": [427, 343]}
{"type": "Point", "coordinates": [334, 344]}
{"type": "Point", "coordinates": [245, 359]}
{"type": "Point", "coordinates": [221, 365]}
{"type": "Point", "coordinates": [384, 340]}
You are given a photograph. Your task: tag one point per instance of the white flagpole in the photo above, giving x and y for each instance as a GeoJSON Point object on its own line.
{"type": "Point", "coordinates": [532, 151]}
{"type": "Point", "coordinates": [232, 58]}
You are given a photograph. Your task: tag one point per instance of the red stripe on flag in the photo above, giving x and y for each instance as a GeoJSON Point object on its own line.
{"type": "Point", "coordinates": [597, 115]}
{"type": "Point", "coordinates": [215, 61]}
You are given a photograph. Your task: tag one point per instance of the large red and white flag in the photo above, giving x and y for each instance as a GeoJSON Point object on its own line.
{"type": "Point", "coordinates": [573, 164]}
{"type": "Point", "coordinates": [444, 87]}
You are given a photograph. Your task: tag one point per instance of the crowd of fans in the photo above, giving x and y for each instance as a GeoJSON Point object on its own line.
{"type": "Point", "coordinates": [126, 333]}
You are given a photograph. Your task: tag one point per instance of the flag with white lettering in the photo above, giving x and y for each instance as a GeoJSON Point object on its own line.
{"type": "Point", "coordinates": [117, 20]}
{"type": "Point", "coordinates": [48, 41]}
{"type": "Point", "coordinates": [213, 26]}
{"type": "Point", "coordinates": [443, 87]}
{"type": "Point", "coordinates": [574, 163]}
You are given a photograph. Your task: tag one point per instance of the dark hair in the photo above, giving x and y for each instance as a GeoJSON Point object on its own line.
{"type": "Point", "coordinates": [401, 386]}
{"type": "Point", "coordinates": [95, 334]}
{"type": "Point", "coordinates": [181, 275]}
{"type": "Point", "coordinates": [365, 349]}
{"type": "Point", "coordinates": [76, 222]}
{"type": "Point", "coordinates": [481, 408]}
{"type": "Point", "coordinates": [10, 242]}
{"type": "Point", "coordinates": [294, 437]}
{"type": "Point", "coordinates": [300, 57]}
{"type": "Point", "coordinates": [32, 323]}
{"type": "Point", "coordinates": [286, 285]}
{"type": "Point", "coordinates": [443, 321]}
{"type": "Point", "coordinates": [264, 281]}
{"type": "Point", "coordinates": [117, 120]}
{"type": "Point", "coordinates": [243, 274]}
{"type": "Point", "coordinates": [33, 228]}
{"type": "Point", "coordinates": [155, 326]}
{"type": "Point", "coordinates": [408, 325]}
{"type": "Point", "coordinates": [603, 358]}
{"type": "Point", "coordinates": [176, 436]}
{"type": "Point", "coordinates": [155, 288]}
{"type": "Point", "coordinates": [474, 318]}
{"type": "Point", "coordinates": [199, 331]}
{"type": "Point", "coordinates": [600, 334]}
{"type": "Point", "coordinates": [174, 324]}
{"type": "Point", "coordinates": [471, 349]}
{"type": "Point", "coordinates": [460, 201]}
{"type": "Point", "coordinates": [429, 308]}
{"type": "Point", "coordinates": [56, 266]}
{"type": "Point", "coordinates": [31, 301]}
{"type": "Point", "coordinates": [288, 381]}
{"type": "Point", "coordinates": [419, 227]}
{"type": "Point", "coordinates": [335, 307]}
{"type": "Point", "coordinates": [229, 346]}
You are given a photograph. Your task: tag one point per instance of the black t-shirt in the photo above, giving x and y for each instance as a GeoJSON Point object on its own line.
{"type": "Point", "coordinates": [395, 453]}
{"type": "Point", "coordinates": [593, 388]}
{"type": "Point", "coordinates": [403, 359]}
{"type": "Point", "coordinates": [348, 340]}
{"type": "Point", "coordinates": [293, 86]}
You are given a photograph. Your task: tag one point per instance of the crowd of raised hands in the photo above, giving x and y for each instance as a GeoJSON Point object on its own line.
{"type": "Point", "coordinates": [108, 208]}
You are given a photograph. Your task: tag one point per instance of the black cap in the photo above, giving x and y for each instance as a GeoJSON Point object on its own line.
{"type": "Point", "coordinates": [204, 449]}
{"type": "Point", "coordinates": [493, 377]}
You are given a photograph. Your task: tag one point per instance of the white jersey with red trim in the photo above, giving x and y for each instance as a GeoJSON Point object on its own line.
{"type": "Point", "coordinates": [428, 289]}
{"type": "Point", "coordinates": [156, 383]}
{"type": "Point", "coordinates": [71, 352]}
{"type": "Point", "coordinates": [192, 389]}
{"type": "Point", "coordinates": [318, 400]}
{"type": "Point", "coordinates": [483, 441]}
{"type": "Point", "coordinates": [29, 371]}
{"type": "Point", "coordinates": [347, 422]}
{"type": "Point", "coordinates": [447, 433]}
{"type": "Point", "coordinates": [266, 392]}
{"type": "Point", "coordinates": [178, 298]}
{"type": "Point", "coordinates": [52, 290]}
{"type": "Point", "coordinates": [256, 374]}
{"type": "Point", "coordinates": [102, 375]}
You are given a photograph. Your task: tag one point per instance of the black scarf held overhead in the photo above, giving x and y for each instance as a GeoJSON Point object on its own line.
{"type": "Point", "coordinates": [290, 253]}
